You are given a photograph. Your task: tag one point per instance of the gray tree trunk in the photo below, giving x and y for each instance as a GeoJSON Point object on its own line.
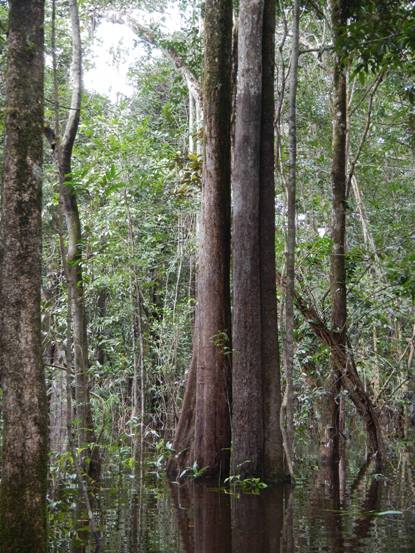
{"type": "Point", "coordinates": [73, 254]}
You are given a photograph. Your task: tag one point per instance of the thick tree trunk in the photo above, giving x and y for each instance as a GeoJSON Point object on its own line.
{"type": "Point", "coordinates": [24, 462]}
{"type": "Point", "coordinates": [247, 377]}
{"type": "Point", "coordinates": [271, 388]}
{"type": "Point", "coordinates": [212, 414]}
{"type": "Point", "coordinates": [184, 435]}
{"type": "Point", "coordinates": [203, 431]}
{"type": "Point", "coordinates": [256, 392]}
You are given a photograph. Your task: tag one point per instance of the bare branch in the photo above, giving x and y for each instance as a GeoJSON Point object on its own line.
{"type": "Point", "coordinates": [365, 131]}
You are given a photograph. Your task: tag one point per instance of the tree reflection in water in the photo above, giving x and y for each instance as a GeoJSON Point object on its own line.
{"type": "Point", "coordinates": [213, 522]}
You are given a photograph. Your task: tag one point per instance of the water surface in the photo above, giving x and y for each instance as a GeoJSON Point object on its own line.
{"type": "Point", "coordinates": [364, 512]}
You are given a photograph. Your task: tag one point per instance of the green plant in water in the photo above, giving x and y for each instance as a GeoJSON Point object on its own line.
{"type": "Point", "coordinates": [237, 485]}
{"type": "Point", "coordinates": [164, 450]}
{"type": "Point", "coordinates": [193, 472]}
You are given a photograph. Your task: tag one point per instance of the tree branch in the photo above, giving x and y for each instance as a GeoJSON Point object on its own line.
{"type": "Point", "coordinates": [72, 122]}
{"type": "Point", "coordinates": [151, 37]}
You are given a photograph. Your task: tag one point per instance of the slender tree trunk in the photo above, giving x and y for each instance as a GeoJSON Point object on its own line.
{"type": "Point", "coordinates": [63, 147]}
{"type": "Point", "coordinates": [24, 462]}
{"type": "Point", "coordinates": [344, 365]}
{"type": "Point", "coordinates": [288, 423]}
{"type": "Point", "coordinates": [330, 443]}
{"type": "Point", "coordinates": [212, 415]}
{"type": "Point", "coordinates": [247, 377]}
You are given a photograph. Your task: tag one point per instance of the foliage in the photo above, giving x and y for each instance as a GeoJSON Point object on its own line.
{"type": "Point", "coordinates": [237, 485]}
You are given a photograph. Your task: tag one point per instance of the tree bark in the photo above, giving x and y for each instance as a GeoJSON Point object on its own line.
{"type": "Point", "coordinates": [271, 387]}
{"type": "Point", "coordinates": [330, 441]}
{"type": "Point", "coordinates": [203, 433]}
{"type": "Point", "coordinates": [247, 378]}
{"type": "Point", "coordinates": [24, 462]}
{"type": "Point", "coordinates": [212, 415]}
{"type": "Point", "coordinates": [256, 391]}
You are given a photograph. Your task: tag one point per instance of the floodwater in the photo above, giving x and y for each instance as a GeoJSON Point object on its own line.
{"type": "Point", "coordinates": [360, 512]}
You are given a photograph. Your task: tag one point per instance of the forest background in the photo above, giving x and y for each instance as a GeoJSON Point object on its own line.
{"type": "Point", "coordinates": [136, 170]}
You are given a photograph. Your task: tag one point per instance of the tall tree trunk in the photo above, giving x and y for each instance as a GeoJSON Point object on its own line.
{"type": "Point", "coordinates": [247, 377]}
{"type": "Point", "coordinates": [24, 466]}
{"type": "Point", "coordinates": [271, 388]}
{"type": "Point", "coordinates": [287, 422]}
{"type": "Point", "coordinates": [63, 147]}
{"type": "Point", "coordinates": [207, 441]}
{"type": "Point", "coordinates": [330, 442]}
{"type": "Point", "coordinates": [212, 430]}
{"type": "Point", "coordinates": [256, 392]}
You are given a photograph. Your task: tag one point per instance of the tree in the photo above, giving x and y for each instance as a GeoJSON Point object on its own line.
{"type": "Point", "coordinates": [213, 332]}
{"type": "Point", "coordinates": [72, 252]}
{"type": "Point", "coordinates": [24, 462]}
{"type": "Point", "coordinates": [343, 370]}
{"type": "Point", "coordinates": [256, 437]}
{"type": "Point", "coordinates": [287, 425]}
{"type": "Point", "coordinates": [207, 398]}
{"type": "Point", "coordinates": [329, 451]}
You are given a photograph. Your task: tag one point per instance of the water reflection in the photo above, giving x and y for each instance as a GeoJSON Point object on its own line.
{"type": "Point", "coordinates": [325, 506]}
{"type": "Point", "coordinates": [326, 512]}
{"type": "Point", "coordinates": [213, 522]}
{"type": "Point", "coordinates": [257, 522]}
{"type": "Point", "coordinates": [204, 518]}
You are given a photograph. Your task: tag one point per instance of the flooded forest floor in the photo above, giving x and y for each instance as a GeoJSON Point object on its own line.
{"type": "Point", "coordinates": [139, 510]}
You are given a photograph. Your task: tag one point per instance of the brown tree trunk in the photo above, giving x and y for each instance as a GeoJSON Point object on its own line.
{"type": "Point", "coordinates": [212, 430]}
{"type": "Point", "coordinates": [24, 467]}
{"type": "Point", "coordinates": [184, 436]}
{"type": "Point", "coordinates": [330, 442]}
{"type": "Point", "coordinates": [247, 377]}
{"type": "Point", "coordinates": [271, 387]}
{"type": "Point", "coordinates": [256, 440]}
{"type": "Point", "coordinates": [210, 376]}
